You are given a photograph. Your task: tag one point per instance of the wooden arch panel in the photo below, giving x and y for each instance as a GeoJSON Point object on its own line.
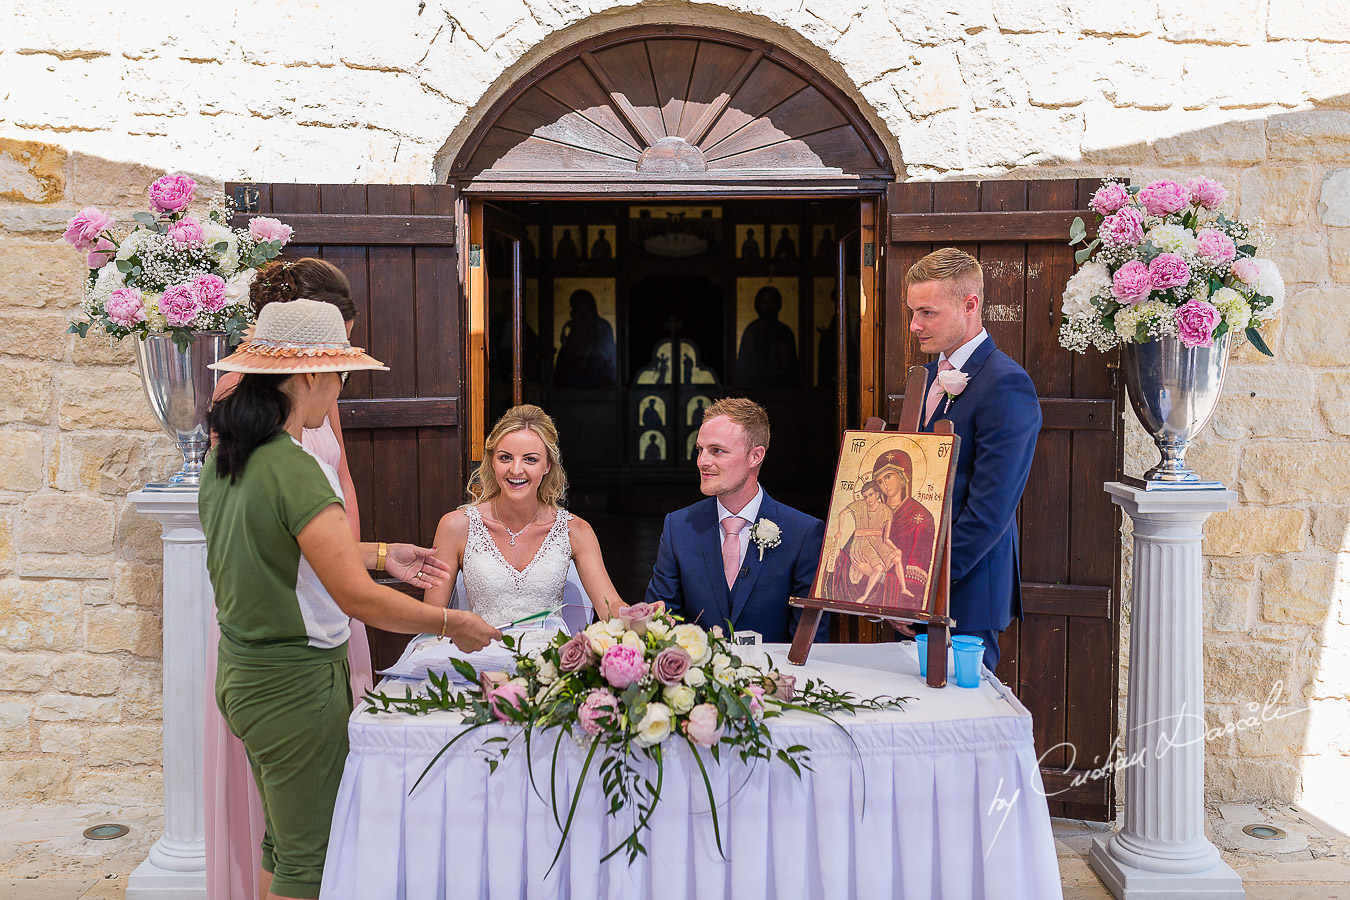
{"type": "Point", "coordinates": [678, 106]}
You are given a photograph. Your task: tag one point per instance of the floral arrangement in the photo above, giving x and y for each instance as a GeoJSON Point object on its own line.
{"type": "Point", "coordinates": [1167, 262]}
{"type": "Point", "coordinates": [172, 272]}
{"type": "Point", "coordinates": [766, 535]}
{"type": "Point", "coordinates": [626, 689]}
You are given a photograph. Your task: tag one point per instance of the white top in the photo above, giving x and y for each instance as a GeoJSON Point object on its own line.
{"type": "Point", "coordinates": [750, 513]}
{"type": "Point", "coordinates": [500, 593]}
{"type": "Point", "coordinates": [326, 624]}
{"type": "Point", "coordinates": [962, 354]}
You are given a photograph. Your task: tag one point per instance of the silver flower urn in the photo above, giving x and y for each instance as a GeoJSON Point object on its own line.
{"type": "Point", "coordinates": [179, 386]}
{"type": "Point", "coordinates": [1174, 390]}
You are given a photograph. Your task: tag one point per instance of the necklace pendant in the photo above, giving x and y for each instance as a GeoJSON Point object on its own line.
{"type": "Point", "coordinates": [513, 542]}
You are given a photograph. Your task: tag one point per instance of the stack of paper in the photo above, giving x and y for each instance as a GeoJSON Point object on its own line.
{"type": "Point", "coordinates": [427, 654]}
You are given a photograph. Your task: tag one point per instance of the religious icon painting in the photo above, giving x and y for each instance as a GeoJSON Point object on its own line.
{"type": "Point", "coordinates": [822, 237]}
{"type": "Point", "coordinates": [881, 537]}
{"type": "Point", "coordinates": [600, 242]}
{"type": "Point", "coordinates": [567, 242]}
{"type": "Point", "coordinates": [766, 333]}
{"type": "Point", "coordinates": [651, 446]}
{"type": "Point", "coordinates": [584, 324]}
{"type": "Point", "coordinates": [783, 239]}
{"type": "Point", "coordinates": [531, 249]}
{"type": "Point", "coordinates": [824, 307]}
{"type": "Point", "coordinates": [750, 240]}
{"type": "Point", "coordinates": [693, 410]}
{"type": "Point", "coordinates": [651, 411]}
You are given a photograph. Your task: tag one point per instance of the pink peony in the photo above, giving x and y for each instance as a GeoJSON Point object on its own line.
{"type": "Point", "coordinates": [264, 229]}
{"type": "Point", "coordinates": [1163, 197]}
{"type": "Point", "coordinates": [701, 726]}
{"type": "Point", "coordinates": [670, 665]}
{"type": "Point", "coordinates": [125, 307]}
{"type": "Point", "coordinates": [1246, 270]}
{"type": "Point", "coordinates": [1196, 321]}
{"type": "Point", "coordinates": [1124, 229]}
{"type": "Point", "coordinates": [1206, 192]}
{"type": "Point", "coordinates": [597, 710]}
{"type": "Point", "coordinates": [85, 227]}
{"type": "Point", "coordinates": [1132, 283]}
{"type": "Point", "coordinates": [172, 193]}
{"type": "Point", "coordinates": [1214, 246]}
{"type": "Point", "coordinates": [1168, 271]}
{"type": "Point", "coordinates": [1109, 198]}
{"type": "Point", "coordinates": [210, 292]}
{"type": "Point", "coordinates": [100, 253]}
{"type": "Point", "coordinates": [576, 654]}
{"type": "Point", "coordinates": [187, 232]}
{"type": "Point", "coordinates": [621, 666]}
{"type": "Point", "coordinates": [180, 305]}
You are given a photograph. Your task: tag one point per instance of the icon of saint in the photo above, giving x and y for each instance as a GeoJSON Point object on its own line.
{"type": "Point", "coordinates": [600, 247]}
{"type": "Point", "coordinates": [826, 248]}
{"type": "Point", "coordinates": [567, 248]}
{"type": "Point", "coordinates": [587, 356]}
{"type": "Point", "coordinates": [651, 416]}
{"type": "Point", "coordinates": [768, 353]}
{"type": "Point", "coordinates": [750, 246]}
{"type": "Point", "coordinates": [653, 450]}
{"type": "Point", "coordinates": [786, 248]}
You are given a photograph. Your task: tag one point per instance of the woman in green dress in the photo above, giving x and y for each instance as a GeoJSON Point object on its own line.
{"type": "Point", "coordinates": [287, 574]}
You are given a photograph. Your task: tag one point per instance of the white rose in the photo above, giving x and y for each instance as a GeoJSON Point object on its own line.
{"type": "Point", "coordinates": [634, 640]}
{"type": "Point", "coordinates": [694, 641]}
{"type": "Point", "coordinates": [548, 672]}
{"type": "Point", "coordinates": [600, 639]}
{"type": "Point", "coordinates": [953, 381]}
{"type": "Point", "coordinates": [722, 670]}
{"type": "Point", "coordinates": [680, 697]}
{"type": "Point", "coordinates": [614, 627]}
{"type": "Point", "coordinates": [767, 531]}
{"type": "Point", "coordinates": [654, 727]}
{"type": "Point", "coordinates": [1269, 282]}
{"type": "Point", "coordinates": [1090, 281]}
{"type": "Point", "coordinates": [695, 678]}
{"type": "Point", "coordinates": [658, 629]}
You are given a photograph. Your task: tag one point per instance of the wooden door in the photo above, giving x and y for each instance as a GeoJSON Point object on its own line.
{"type": "Point", "coordinates": [1062, 659]}
{"type": "Point", "coordinates": [396, 244]}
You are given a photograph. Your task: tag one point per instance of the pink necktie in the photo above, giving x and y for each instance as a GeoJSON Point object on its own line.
{"type": "Point", "coordinates": [935, 392]}
{"type": "Point", "coordinates": [731, 548]}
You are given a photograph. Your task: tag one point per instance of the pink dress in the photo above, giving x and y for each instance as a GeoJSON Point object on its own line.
{"type": "Point", "coordinates": [234, 818]}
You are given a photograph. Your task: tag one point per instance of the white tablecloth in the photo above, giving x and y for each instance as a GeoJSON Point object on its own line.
{"type": "Point", "coordinates": [954, 807]}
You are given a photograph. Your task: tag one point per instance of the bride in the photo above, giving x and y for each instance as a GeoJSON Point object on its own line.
{"type": "Point", "coordinates": [514, 541]}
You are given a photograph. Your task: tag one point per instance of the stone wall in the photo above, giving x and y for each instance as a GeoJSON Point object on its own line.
{"type": "Point", "coordinates": [98, 102]}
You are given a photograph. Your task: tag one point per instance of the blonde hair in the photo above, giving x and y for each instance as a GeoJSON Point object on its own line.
{"type": "Point", "coordinates": [961, 272]}
{"type": "Point", "coordinates": [483, 486]}
{"type": "Point", "coordinates": [746, 413]}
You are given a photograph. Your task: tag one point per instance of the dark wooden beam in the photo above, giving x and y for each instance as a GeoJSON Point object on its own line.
{"type": "Point", "coordinates": [958, 227]}
{"type": "Point", "coordinates": [1056, 414]}
{"type": "Point", "coordinates": [1040, 599]}
{"type": "Point", "coordinates": [404, 412]}
{"type": "Point", "coordinates": [335, 229]}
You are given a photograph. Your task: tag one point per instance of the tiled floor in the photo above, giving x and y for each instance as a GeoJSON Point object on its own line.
{"type": "Point", "coordinates": [44, 857]}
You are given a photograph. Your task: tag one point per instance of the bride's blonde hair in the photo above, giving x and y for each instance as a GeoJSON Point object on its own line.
{"type": "Point", "coordinates": [483, 486]}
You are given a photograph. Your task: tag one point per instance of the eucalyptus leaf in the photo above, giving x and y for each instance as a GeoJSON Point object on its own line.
{"type": "Point", "coordinates": [125, 265]}
{"type": "Point", "coordinates": [1081, 256]}
{"type": "Point", "coordinates": [1077, 231]}
{"type": "Point", "coordinates": [222, 246]}
{"type": "Point", "coordinates": [145, 218]}
{"type": "Point", "coordinates": [1221, 330]}
{"type": "Point", "coordinates": [1248, 249]}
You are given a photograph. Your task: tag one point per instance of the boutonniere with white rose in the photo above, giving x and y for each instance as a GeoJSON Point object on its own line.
{"type": "Point", "coordinates": [766, 534]}
{"type": "Point", "coordinates": [952, 382]}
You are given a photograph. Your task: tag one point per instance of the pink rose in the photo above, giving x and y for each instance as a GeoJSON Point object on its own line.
{"type": "Point", "coordinates": [576, 654]}
{"type": "Point", "coordinates": [1123, 229]}
{"type": "Point", "coordinates": [264, 229]}
{"type": "Point", "coordinates": [85, 227]}
{"type": "Point", "coordinates": [597, 710]}
{"type": "Point", "coordinates": [1246, 270]}
{"type": "Point", "coordinates": [1215, 246]}
{"type": "Point", "coordinates": [1206, 192]}
{"type": "Point", "coordinates": [100, 253]}
{"type": "Point", "coordinates": [1109, 198]}
{"type": "Point", "coordinates": [701, 727]}
{"type": "Point", "coordinates": [1196, 321]}
{"type": "Point", "coordinates": [621, 666]}
{"type": "Point", "coordinates": [125, 307]}
{"type": "Point", "coordinates": [505, 698]}
{"type": "Point", "coordinates": [784, 686]}
{"type": "Point", "coordinates": [186, 232]}
{"type": "Point", "coordinates": [1132, 282]}
{"type": "Point", "coordinates": [1163, 197]}
{"type": "Point", "coordinates": [180, 305]}
{"type": "Point", "coordinates": [670, 665]}
{"type": "Point", "coordinates": [953, 381]}
{"type": "Point", "coordinates": [756, 696]}
{"type": "Point", "coordinates": [1168, 270]}
{"type": "Point", "coordinates": [210, 292]}
{"type": "Point", "coordinates": [636, 617]}
{"type": "Point", "coordinates": [172, 193]}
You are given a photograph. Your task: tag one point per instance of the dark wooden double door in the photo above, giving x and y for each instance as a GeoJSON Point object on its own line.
{"type": "Point", "coordinates": [408, 448]}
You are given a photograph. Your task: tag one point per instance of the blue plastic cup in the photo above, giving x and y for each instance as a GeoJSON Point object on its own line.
{"type": "Point", "coordinates": [921, 641]}
{"type": "Point", "coordinates": [968, 639]}
{"type": "Point", "coordinates": [968, 659]}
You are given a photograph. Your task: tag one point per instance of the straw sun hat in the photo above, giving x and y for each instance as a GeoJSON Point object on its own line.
{"type": "Point", "coordinates": [296, 337]}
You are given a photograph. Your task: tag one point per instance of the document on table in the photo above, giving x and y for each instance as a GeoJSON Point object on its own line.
{"type": "Point", "coordinates": [427, 653]}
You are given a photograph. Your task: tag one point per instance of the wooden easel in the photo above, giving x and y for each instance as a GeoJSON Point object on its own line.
{"type": "Point", "coordinates": [938, 621]}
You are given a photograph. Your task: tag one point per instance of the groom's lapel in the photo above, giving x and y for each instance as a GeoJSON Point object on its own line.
{"type": "Point", "coordinates": [706, 525]}
{"type": "Point", "coordinates": [971, 368]}
{"type": "Point", "coordinates": [750, 569]}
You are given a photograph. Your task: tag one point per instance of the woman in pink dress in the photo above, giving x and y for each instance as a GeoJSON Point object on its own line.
{"type": "Point", "coordinates": [234, 818]}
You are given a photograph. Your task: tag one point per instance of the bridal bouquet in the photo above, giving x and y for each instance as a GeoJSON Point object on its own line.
{"type": "Point", "coordinates": [172, 272]}
{"type": "Point", "coordinates": [1167, 262]}
{"type": "Point", "coordinates": [626, 689]}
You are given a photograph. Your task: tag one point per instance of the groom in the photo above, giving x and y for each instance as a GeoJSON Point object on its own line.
{"type": "Point", "coordinates": [715, 564]}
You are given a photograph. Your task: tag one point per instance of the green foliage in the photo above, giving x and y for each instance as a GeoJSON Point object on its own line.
{"type": "Point", "coordinates": [1077, 231]}
{"type": "Point", "coordinates": [1257, 341]}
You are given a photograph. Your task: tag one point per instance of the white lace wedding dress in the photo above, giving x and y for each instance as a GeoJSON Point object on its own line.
{"type": "Point", "coordinates": [499, 592]}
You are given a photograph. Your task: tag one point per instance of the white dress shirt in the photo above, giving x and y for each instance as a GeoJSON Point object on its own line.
{"type": "Point", "coordinates": [962, 354]}
{"type": "Point", "coordinates": [750, 513]}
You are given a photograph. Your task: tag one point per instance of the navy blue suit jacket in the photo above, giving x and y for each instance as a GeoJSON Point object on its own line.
{"type": "Point", "coordinates": [997, 418]}
{"type": "Point", "coordinates": [688, 576]}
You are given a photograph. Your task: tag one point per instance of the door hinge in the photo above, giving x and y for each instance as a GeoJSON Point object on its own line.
{"type": "Point", "coordinates": [869, 254]}
{"type": "Point", "coordinates": [246, 198]}
{"type": "Point", "coordinates": [475, 255]}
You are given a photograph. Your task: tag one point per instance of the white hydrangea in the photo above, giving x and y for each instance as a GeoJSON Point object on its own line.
{"type": "Point", "coordinates": [1270, 283]}
{"type": "Point", "coordinates": [1158, 319]}
{"type": "Point", "coordinates": [133, 243]}
{"type": "Point", "coordinates": [237, 287]}
{"type": "Point", "coordinates": [1092, 280]}
{"type": "Point", "coordinates": [216, 233]}
{"type": "Point", "coordinates": [108, 280]}
{"type": "Point", "coordinates": [1172, 239]}
{"type": "Point", "coordinates": [1233, 307]}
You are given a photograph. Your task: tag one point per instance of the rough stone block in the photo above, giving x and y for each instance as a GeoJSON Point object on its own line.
{"type": "Point", "coordinates": [1212, 458]}
{"type": "Point", "coordinates": [1287, 471]}
{"type": "Point", "coordinates": [111, 628]}
{"type": "Point", "coordinates": [1034, 15]}
{"type": "Point", "coordinates": [868, 38]}
{"type": "Point", "coordinates": [931, 83]}
{"type": "Point", "coordinates": [101, 350]}
{"type": "Point", "coordinates": [26, 672]}
{"type": "Point", "coordinates": [63, 565]}
{"type": "Point", "coordinates": [132, 785]}
{"type": "Point", "coordinates": [87, 674]}
{"type": "Point", "coordinates": [1333, 206]}
{"type": "Point", "coordinates": [1256, 403]}
{"type": "Point", "coordinates": [103, 399]}
{"type": "Point", "coordinates": [1333, 399]}
{"type": "Point", "coordinates": [113, 463]}
{"type": "Point", "coordinates": [939, 23]}
{"type": "Point", "coordinates": [1297, 590]}
{"type": "Point", "coordinates": [1250, 780]}
{"type": "Point", "coordinates": [1331, 527]}
{"type": "Point", "coordinates": [139, 537]}
{"type": "Point", "coordinates": [1147, 79]}
{"type": "Point", "coordinates": [1315, 20]}
{"type": "Point", "coordinates": [988, 67]}
{"type": "Point", "coordinates": [55, 522]}
{"type": "Point", "coordinates": [1300, 255]}
{"type": "Point", "coordinates": [938, 142]}
{"type": "Point", "coordinates": [60, 739]}
{"type": "Point", "coordinates": [139, 584]}
{"type": "Point", "coordinates": [71, 94]}
{"type": "Point", "coordinates": [31, 171]}
{"type": "Point", "coordinates": [1227, 605]}
{"type": "Point", "coordinates": [1240, 569]}
{"type": "Point", "coordinates": [1317, 323]}
{"type": "Point", "coordinates": [1311, 136]}
{"type": "Point", "coordinates": [7, 551]}
{"type": "Point", "coordinates": [142, 691]}
{"type": "Point", "coordinates": [37, 273]}
{"type": "Point", "coordinates": [96, 595]}
{"type": "Point", "coordinates": [1238, 670]}
{"type": "Point", "coordinates": [64, 708]}
{"type": "Point", "coordinates": [1280, 195]}
{"type": "Point", "coordinates": [110, 184]}
{"type": "Point", "coordinates": [1207, 142]}
{"type": "Point", "coordinates": [1277, 731]}
{"type": "Point", "coordinates": [39, 615]}
{"type": "Point", "coordinates": [1115, 137]}
{"type": "Point", "coordinates": [1025, 137]}
{"type": "Point", "coordinates": [1327, 65]}
{"type": "Point", "coordinates": [23, 468]}
{"type": "Point", "coordinates": [15, 733]}
{"type": "Point", "coordinates": [1248, 530]}
{"type": "Point", "coordinates": [25, 392]}
{"type": "Point", "coordinates": [1239, 23]}
{"type": "Point", "coordinates": [1338, 246]}
{"type": "Point", "coordinates": [40, 335]}
{"type": "Point", "coordinates": [33, 779]}
{"type": "Point", "coordinates": [123, 745]}
{"type": "Point", "coordinates": [1233, 78]}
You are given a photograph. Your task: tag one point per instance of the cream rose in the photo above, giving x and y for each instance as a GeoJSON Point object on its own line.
{"type": "Point", "coordinates": [694, 641]}
{"type": "Point", "coordinates": [599, 638]}
{"type": "Point", "coordinates": [654, 727]}
{"type": "Point", "coordinates": [634, 640]}
{"type": "Point", "coordinates": [614, 627]}
{"type": "Point", "coordinates": [658, 629]}
{"type": "Point", "coordinates": [680, 697]}
{"type": "Point", "coordinates": [695, 678]}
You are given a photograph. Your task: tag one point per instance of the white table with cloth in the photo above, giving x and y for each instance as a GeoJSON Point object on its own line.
{"type": "Point", "coordinates": [954, 806]}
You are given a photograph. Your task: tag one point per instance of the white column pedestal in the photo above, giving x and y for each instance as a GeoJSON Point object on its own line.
{"type": "Point", "coordinates": [176, 867]}
{"type": "Point", "coordinates": [1162, 851]}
